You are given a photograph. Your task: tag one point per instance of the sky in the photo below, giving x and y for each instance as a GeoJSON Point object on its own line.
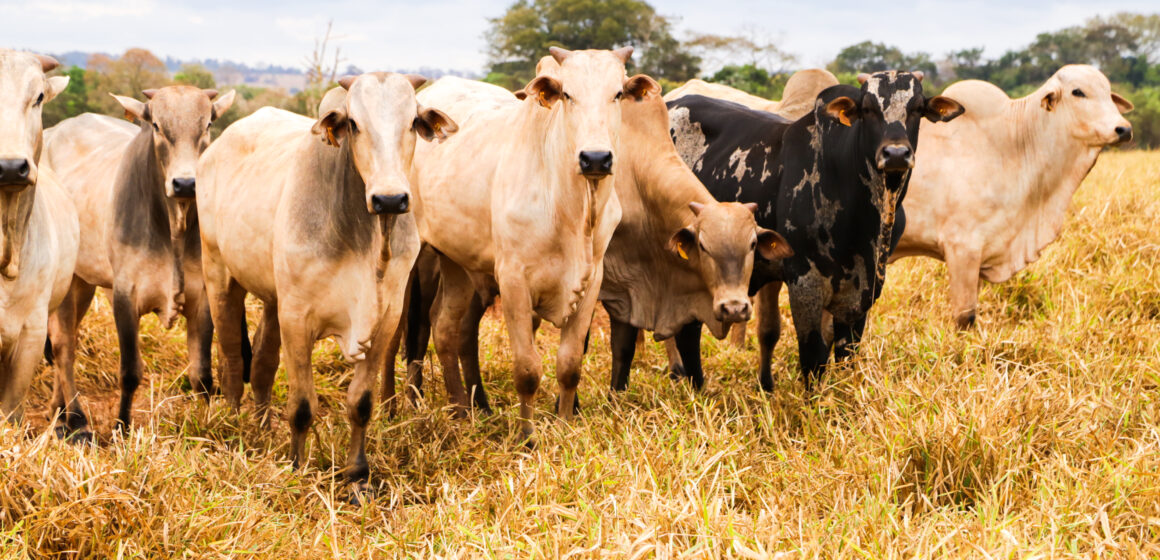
{"type": "Point", "coordinates": [448, 34]}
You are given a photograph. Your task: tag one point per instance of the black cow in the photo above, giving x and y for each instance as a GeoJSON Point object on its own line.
{"type": "Point", "coordinates": [831, 183]}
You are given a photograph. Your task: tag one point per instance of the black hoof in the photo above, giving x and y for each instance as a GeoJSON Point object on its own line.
{"type": "Point", "coordinates": [766, 384]}
{"type": "Point", "coordinates": [77, 436]}
{"type": "Point", "coordinates": [677, 372]}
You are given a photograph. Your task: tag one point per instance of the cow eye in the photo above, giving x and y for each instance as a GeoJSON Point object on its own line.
{"type": "Point", "coordinates": [353, 127]}
{"type": "Point", "coordinates": [156, 128]}
{"type": "Point", "coordinates": [701, 244]}
{"type": "Point", "coordinates": [619, 95]}
{"type": "Point", "coordinates": [1078, 93]}
{"type": "Point", "coordinates": [566, 97]}
{"type": "Point", "coordinates": [753, 245]}
{"type": "Point", "coordinates": [39, 100]}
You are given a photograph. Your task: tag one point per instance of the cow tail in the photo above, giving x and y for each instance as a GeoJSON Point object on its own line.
{"type": "Point", "coordinates": [247, 349]}
{"type": "Point", "coordinates": [416, 315]}
{"type": "Point", "coordinates": [48, 350]}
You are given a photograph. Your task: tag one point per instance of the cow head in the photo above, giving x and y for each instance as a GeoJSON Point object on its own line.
{"type": "Point", "coordinates": [178, 119]}
{"type": "Point", "coordinates": [583, 90]}
{"type": "Point", "coordinates": [24, 89]}
{"type": "Point", "coordinates": [721, 243]}
{"type": "Point", "coordinates": [887, 112]}
{"type": "Point", "coordinates": [1081, 97]}
{"type": "Point", "coordinates": [377, 118]}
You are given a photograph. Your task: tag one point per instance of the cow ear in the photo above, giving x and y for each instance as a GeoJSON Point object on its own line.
{"type": "Point", "coordinates": [56, 84]}
{"type": "Point", "coordinates": [1122, 104]}
{"type": "Point", "coordinates": [683, 242]}
{"type": "Point", "coordinates": [772, 246]}
{"type": "Point", "coordinates": [332, 117]}
{"type": "Point", "coordinates": [751, 206]}
{"type": "Point", "coordinates": [545, 90]}
{"type": "Point", "coordinates": [697, 208]}
{"type": "Point", "coordinates": [222, 104]}
{"type": "Point", "coordinates": [434, 124]}
{"type": "Point", "coordinates": [943, 109]}
{"type": "Point", "coordinates": [47, 63]}
{"type": "Point", "coordinates": [639, 86]}
{"type": "Point", "coordinates": [843, 109]}
{"type": "Point", "coordinates": [134, 110]}
{"type": "Point", "coordinates": [1048, 102]}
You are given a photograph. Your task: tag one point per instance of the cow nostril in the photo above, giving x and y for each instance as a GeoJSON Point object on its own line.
{"type": "Point", "coordinates": [15, 171]}
{"type": "Point", "coordinates": [897, 151]}
{"type": "Point", "coordinates": [24, 169]}
{"type": "Point", "coordinates": [390, 203]}
{"type": "Point", "coordinates": [1124, 132]}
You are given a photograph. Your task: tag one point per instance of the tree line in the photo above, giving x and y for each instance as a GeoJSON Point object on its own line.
{"type": "Point", "coordinates": [1125, 46]}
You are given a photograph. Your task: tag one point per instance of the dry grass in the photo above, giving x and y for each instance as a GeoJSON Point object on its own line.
{"type": "Point", "coordinates": [1036, 435]}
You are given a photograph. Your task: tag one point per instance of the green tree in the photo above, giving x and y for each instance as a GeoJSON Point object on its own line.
{"type": "Point", "coordinates": [521, 36]}
{"type": "Point", "coordinates": [869, 56]}
{"type": "Point", "coordinates": [71, 102]}
{"type": "Point", "coordinates": [195, 75]}
{"type": "Point", "coordinates": [751, 79]}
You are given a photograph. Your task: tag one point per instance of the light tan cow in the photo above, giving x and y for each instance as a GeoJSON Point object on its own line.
{"type": "Point", "coordinates": [521, 202]}
{"type": "Point", "coordinates": [311, 217]}
{"type": "Point", "coordinates": [38, 225]}
{"type": "Point", "coordinates": [992, 188]}
{"type": "Point", "coordinates": [133, 186]}
{"type": "Point", "coordinates": [797, 99]}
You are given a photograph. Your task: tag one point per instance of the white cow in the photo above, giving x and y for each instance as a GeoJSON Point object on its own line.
{"type": "Point", "coordinates": [992, 188]}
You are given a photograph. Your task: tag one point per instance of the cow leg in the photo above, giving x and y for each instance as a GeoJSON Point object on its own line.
{"type": "Point", "coordinates": [63, 327]}
{"type": "Point", "coordinates": [20, 365]}
{"type": "Point", "coordinates": [527, 369]}
{"type": "Point", "coordinates": [469, 354]}
{"type": "Point", "coordinates": [199, 342]}
{"type": "Point", "coordinates": [128, 322]}
{"type": "Point", "coordinates": [573, 345]}
{"type": "Point", "coordinates": [813, 350]}
{"type": "Point", "coordinates": [688, 341]}
{"type": "Point", "coordinates": [623, 337]}
{"type": "Point", "coordinates": [847, 336]}
{"type": "Point", "coordinates": [963, 268]}
{"type": "Point", "coordinates": [676, 366]}
{"type": "Point", "coordinates": [227, 302]}
{"type": "Point", "coordinates": [424, 298]}
{"type": "Point", "coordinates": [737, 335]}
{"type": "Point", "coordinates": [768, 331]}
{"type": "Point", "coordinates": [301, 400]}
{"type": "Point", "coordinates": [455, 299]}
{"type": "Point", "coordinates": [359, 409]}
{"type": "Point", "coordinates": [267, 345]}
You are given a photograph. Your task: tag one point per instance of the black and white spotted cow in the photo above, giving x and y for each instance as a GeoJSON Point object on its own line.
{"type": "Point", "coordinates": [831, 183]}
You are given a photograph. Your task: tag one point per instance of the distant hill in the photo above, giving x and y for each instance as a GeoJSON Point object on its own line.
{"type": "Point", "coordinates": [228, 72]}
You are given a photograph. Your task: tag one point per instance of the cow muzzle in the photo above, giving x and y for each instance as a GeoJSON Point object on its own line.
{"type": "Point", "coordinates": [895, 158]}
{"type": "Point", "coordinates": [1123, 134]}
{"type": "Point", "coordinates": [183, 187]}
{"type": "Point", "coordinates": [16, 174]}
{"type": "Point", "coordinates": [733, 310]}
{"type": "Point", "coordinates": [390, 203]}
{"type": "Point", "coordinates": [595, 164]}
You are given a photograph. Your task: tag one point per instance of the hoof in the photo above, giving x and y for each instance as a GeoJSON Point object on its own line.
{"type": "Point", "coordinates": [677, 371]}
{"type": "Point", "coordinates": [965, 320]}
{"type": "Point", "coordinates": [358, 493]}
{"type": "Point", "coordinates": [76, 436]}
{"type": "Point", "coordinates": [766, 383]}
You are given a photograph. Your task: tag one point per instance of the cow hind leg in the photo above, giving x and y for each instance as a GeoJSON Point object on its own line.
{"type": "Point", "coordinates": [623, 337]}
{"type": "Point", "coordinates": [963, 270]}
{"type": "Point", "coordinates": [228, 305]}
{"type": "Point", "coordinates": [813, 350]}
{"type": "Point", "coordinates": [267, 346]}
{"type": "Point", "coordinates": [469, 354]}
{"type": "Point", "coordinates": [63, 327]}
{"type": "Point", "coordinates": [688, 342]}
{"type": "Point", "coordinates": [454, 301]}
{"type": "Point", "coordinates": [676, 366]}
{"type": "Point", "coordinates": [128, 321]}
{"type": "Point", "coordinates": [768, 332]}
{"type": "Point", "coordinates": [847, 336]}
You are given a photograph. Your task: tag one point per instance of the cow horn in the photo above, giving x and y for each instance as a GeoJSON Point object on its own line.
{"type": "Point", "coordinates": [47, 63]}
{"type": "Point", "coordinates": [623, 53]}
{"type": "Point", "coordinates": [559, 54]}
{"type": "Point", "coordinates": [210, 93]}
{"type": "Point", "coordinates": [149, 93]}
{"type": "Point", "coordinates": [863, 78]}
{"type": "Point", "coordinates": [416, 80]}
{"type": "Point", "coordinates": [919, 74]}
{"type": "Point", "coordinates": [346, 81]}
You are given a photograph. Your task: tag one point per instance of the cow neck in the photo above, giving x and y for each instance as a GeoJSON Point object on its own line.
{"type": "Point", "coordinates": [573, 198]}
{"type": "Point", "coordinates": [140, 212]}
{"type": "Point", "coordinates": [15, 215]}
{"type": "Point", "coordinates": [1048, 178]}
{"type": "Point", "coordinates": [340, 201]}
{"type": "Point", "coordinates": [666, 186]}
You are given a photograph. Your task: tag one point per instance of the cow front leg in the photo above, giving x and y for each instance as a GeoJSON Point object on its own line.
{"type": "Point", "coordinates": [227, 301]}
{"type": "Point", "coordinates": [128, 321]}
{"type": "Point", "coordinates": [623, 337]}
{"type": "Point", "coordinates": [963, 269]}
{"type": "Point", "coordinates": [573, 345]}
{"type": "Point", "coordinates": [847, 336]}
{"type": "Point", "coordinates": [267, 346]}
{"type": "Point", "coordinates": [527, 369]}
{"type": "Point", "coordinates": [813, 350]}
{"type": "Point", "coordinates": [199, 342]}
{"type": "Point", "coordinates": [423, 297]}
{"type": "Point", "coordinates": [768, 331]}
{"type": "Point", "coordinates": [676, 366]}
{"type": "Point", "coordinates": [301, 400]}
{"type": "Point", "coordinates": [388, 394]}
{"type": "Point", "coordinates": [454, 301]}
{"type": "Point", "coordinates": [20, 365]}
{"type": "Point", "coordinates": [359, 410]}
{"type": "Point", "coordinates": [688, 342]}
{"type": "Point", "coordinates": [63, 327]}
{"type": "Point", "coordinates": [469, 354]}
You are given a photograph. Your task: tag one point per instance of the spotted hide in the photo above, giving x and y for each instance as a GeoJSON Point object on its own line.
{"type": "Point", "coordinates": [831, 183]}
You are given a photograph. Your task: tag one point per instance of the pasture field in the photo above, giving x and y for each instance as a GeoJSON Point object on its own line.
{"type": "Point", "coordinates": [1035, 435]}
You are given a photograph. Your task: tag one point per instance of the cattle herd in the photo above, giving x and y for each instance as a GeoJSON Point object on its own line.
{"type": "Point", "coordinates": [396, 212]}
